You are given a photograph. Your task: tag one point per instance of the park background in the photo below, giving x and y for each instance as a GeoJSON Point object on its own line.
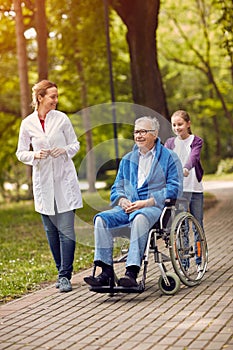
{"type": "Point", "coordinates": [111, 60]}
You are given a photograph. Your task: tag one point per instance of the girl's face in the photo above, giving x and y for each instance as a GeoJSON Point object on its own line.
{"type": "Point", "coordinates": [50, 100]}
{"type": "Point", "coordinates": [180, 127]}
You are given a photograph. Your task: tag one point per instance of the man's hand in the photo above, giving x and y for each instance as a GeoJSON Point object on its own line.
{"type": "Point", "coordinates": [129, 207]}
{"type": "Point", "coordinates": [124, 203]}
{"type": "Point", "coordinates": [56, 152]}
{"type": "Point", "coordinates": [42, 154]}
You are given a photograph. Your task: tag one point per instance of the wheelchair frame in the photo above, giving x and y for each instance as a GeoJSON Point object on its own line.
{"type": "Point", "coordinates": [186, 242]}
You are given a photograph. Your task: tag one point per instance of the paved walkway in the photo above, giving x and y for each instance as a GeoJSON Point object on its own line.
{"type": "Point", "coordinates": [196, 318]}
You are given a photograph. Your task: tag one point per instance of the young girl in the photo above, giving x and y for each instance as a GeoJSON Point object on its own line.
{"type": "Point", "coordinates": [188, 147]}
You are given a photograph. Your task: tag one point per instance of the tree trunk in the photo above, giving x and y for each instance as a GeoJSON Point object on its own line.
{"type": "Point", "coordinates": [141, 19]}
{"type": "Point", "coordinates": [90, 157]}
{"type": "Point", "coordinates": [41, 29]}
{"type": "Point", "coordinates": [23, 74]}
{"type": "Point", "coordinates": [91, 170]}
{"type": "Point", "coordinates": [22, 60]}
{"type": "Point", "coordinates": [218, 147]}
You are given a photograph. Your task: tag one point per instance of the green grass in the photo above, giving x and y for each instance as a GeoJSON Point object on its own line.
{"type": "Point", "coordinates": [26, 263]}
{"type": "Point", "coordinates": [214, 177]}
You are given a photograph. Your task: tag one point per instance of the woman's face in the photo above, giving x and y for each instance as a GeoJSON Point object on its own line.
{"type": "Point", "coordinates": [50, 100]}
{"type": "Point", "coordinates": [180, 127]}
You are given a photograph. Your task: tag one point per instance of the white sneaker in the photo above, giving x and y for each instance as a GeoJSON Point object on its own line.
{"type": "Point", "coordinates": [199, 272]}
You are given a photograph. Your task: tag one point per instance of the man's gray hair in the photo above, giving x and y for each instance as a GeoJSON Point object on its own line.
{"type": "Point", "coordinates": [154, 121]}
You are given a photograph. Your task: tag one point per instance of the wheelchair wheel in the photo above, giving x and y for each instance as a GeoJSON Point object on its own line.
{"type": "Point", "coordinates": [188, 249]}
{"type": "Point", "coordinates": [174, 282]}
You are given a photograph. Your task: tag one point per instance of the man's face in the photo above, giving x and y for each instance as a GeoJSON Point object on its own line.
{"type": "Point", "coordinates": [143, 138]}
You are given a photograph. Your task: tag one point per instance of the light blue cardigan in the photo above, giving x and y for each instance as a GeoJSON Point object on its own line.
{"type": "Point", "coordinates": [165, 180]}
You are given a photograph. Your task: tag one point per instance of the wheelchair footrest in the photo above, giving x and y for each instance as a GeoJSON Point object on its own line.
{"type": "Point", "coordinates": [117, 289]}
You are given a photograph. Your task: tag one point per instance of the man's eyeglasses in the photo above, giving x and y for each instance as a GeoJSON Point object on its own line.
{"type": "Point", "coordinates": [142, 132]}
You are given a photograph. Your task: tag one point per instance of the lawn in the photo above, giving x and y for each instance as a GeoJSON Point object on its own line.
{"type": "Point", "coordinates": [221, 177]}
{"type": "Point", "coordinates": [26, 263]}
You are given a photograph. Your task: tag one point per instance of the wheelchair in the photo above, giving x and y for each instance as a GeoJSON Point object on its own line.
{"type": "Point", "coordinates": [186, 243]}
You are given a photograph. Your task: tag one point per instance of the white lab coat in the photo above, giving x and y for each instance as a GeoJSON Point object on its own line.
{"type": "Point", "coordinates": [53, 178]}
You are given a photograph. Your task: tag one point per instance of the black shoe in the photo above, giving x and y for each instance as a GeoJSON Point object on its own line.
{"type": "Point", "coordinates": [127, 281]}
{"type": "Point", "coordinates": [102, 280]}
{"type": "Point", "coordinates": [130, 277]}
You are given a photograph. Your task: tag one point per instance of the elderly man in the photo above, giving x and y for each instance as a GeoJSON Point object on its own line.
{"type": "Point", "coordinates": [147, 176]}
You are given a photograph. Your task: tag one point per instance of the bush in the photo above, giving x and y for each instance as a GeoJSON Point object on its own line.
{"type": "Point", "coordinates": [225, 166]}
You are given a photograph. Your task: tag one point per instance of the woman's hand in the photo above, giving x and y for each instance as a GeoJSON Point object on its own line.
{"type": "Point", "coordinates": [56, 152]}
{"type": "Point", "coordinates": [42, 154]}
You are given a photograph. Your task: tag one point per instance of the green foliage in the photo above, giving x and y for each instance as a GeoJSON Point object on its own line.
{"type": "Point", "coordinates": [194, 41]}
{"type": "Point", "coordinates": [8, 141]}
{"type": "Point", "coordinates": [225, 166]}
{"type": "Point", "coordinates": [197, 70]}
{"type": "Point", "coordinates": [81, 58]}
{"type": "Point", "coordinates": [70, 27]}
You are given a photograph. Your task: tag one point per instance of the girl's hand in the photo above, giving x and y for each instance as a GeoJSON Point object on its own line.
{"type": "Point", "coordinates": [185, 172]}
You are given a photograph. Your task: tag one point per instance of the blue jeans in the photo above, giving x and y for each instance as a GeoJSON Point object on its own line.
{"type": "Point", "coordinates": [137, 230]}
{"type": "Point", "coordinates": [195, 207]}
{"type": "Point", "coordinates": [60, 233]}
{"type": "Point", "coordinates": [195, 202]}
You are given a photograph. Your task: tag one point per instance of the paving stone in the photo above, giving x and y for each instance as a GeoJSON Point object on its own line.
{"type": "Point", "coordinates": [195, 318]}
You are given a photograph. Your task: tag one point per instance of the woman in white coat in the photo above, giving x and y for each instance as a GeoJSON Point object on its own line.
{"type": "Point", "coordinates": [47, 142]}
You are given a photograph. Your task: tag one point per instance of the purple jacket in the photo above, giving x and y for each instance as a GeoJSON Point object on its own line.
{"type": "Point", "coordinates": [194, 159]}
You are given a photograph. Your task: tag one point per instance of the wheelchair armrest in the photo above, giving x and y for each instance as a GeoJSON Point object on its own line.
{"type": "Point", "coordinates": [175, 202]}
{"type": "Point", "coordinates": [166, 214]}
{"type": "Point", "coordinates": [169, 206]}
{"type": "Point", "coordinates": [170, 202]}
